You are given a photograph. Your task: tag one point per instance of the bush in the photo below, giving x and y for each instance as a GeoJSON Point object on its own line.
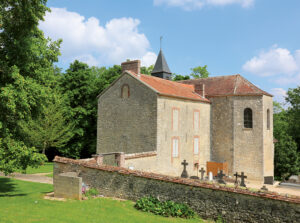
{"type": "Point", "coordinates": [91, 192]}
{"type": "Point", "coordinates": [165, 208]}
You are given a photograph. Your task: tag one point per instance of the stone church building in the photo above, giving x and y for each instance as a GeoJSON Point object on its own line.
{"type": "Point", "coordinates": [157, 123]}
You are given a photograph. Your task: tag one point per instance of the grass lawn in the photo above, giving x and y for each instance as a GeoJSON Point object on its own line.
{"type": "Point", "coordinates": [22, 201]}
{"type": "Point", "coordinates": [46, 168]}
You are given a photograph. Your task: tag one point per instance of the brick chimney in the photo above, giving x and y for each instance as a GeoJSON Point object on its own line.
{"type": "Point", "coordinates": [200, 89]}
{"type": "Point", "coordinates": [133, 66]}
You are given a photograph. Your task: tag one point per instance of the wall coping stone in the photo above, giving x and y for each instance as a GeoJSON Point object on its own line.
{"type": "Point", "coordinates": [140, 155]}
{"type": "Point", "coordinates": [178, 180]}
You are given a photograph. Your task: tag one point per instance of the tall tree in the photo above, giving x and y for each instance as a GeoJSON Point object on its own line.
{"type": "Point", "coordinates": [27, 76]}
{"type": "Point", "coordinates": [50, 129]}
{"type": "Point", "coordinates": [200, 72]}
{"type": "Point", "coordinates": [286, 157]}
{"type": "Point", "coordinates": [293, 112]}
{"type": "Point", "coordinates": [81, 85]}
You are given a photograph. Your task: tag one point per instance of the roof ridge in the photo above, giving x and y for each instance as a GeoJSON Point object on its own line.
{"type": "Point", "coordinates": [170, 81]}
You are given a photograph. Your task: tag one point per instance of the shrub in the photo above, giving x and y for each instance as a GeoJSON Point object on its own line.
{"type": "Point", "coordinates": [165, 208]}
{"type": "Point", "coordinates": [91, 192]}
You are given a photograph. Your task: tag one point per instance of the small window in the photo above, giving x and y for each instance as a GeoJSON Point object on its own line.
{"type": "Point", "coordinates": [175, 119]}
{"type": "Point", "coordinates": [196, 146]}
{"type": "Point", "coordinates": [248, 123]}
{"type": "Point", "coordinates": [125, 91]}
{"type": "Point", "coordinates": [175, 147]}
{"type": "Point", "coordinates": [196, 120]}
{"type": "Point", "coordinates": [268, 119]}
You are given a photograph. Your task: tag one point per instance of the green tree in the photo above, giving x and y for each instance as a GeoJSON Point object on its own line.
{"type": "Point", "coordinates": [286, 157]}
{"type": "Point", "coordinates": [50, 129]}
{"type": "Point", "coordinates": [147, 70]}
{"type": "Point", "coordinates": [293, 112]}
{"type": "Point", "coordinates": [178, 77]}
{"type": "Point", "coordinates": [27, 77]}
{"type": "Point", "coordinates": [200, 72]}
{"type": "Point", "coordinates": [81, 85]}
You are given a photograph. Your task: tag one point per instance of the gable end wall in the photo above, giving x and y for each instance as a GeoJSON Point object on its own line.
{"type": "Point", "coordinates": [127, 124]}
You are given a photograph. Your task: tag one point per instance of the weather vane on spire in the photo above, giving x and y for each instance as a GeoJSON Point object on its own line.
{"type": "Point", "coordinates": [161, 42]}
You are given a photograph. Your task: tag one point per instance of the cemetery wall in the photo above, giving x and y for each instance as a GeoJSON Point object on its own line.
{"type": "Point", "coordinates": [208, 200]}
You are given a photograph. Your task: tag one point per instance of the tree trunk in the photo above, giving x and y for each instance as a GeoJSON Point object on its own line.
{"type": "Point", "coordinates": [44, 148]}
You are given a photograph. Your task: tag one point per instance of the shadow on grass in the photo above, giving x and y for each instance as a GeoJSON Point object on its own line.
{"type": "Point", "coordinates": [6, 187]}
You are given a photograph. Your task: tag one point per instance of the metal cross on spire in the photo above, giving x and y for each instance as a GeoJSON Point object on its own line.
{"type": "Point", "coordinates": [161, 41]}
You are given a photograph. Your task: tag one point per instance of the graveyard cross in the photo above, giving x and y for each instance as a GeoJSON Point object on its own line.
{"type": "Point", "coordinates": [236, 178]}
{"type": "Point", "coordinates": [202, 171]}
{"type": "Point", "coordinates": [184, 172]}
{"type": "Point", "coordinates": [243, 180]}
{"type": "Point", "coordinates": [220, 177]}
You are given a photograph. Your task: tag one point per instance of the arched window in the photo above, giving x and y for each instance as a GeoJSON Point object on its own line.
{"type": "Point", "coordinates": [125, 91]}
{"type": "Point", "coordinates": [268, 119]}
{"type": "Point", "coordinates": [248, 123]}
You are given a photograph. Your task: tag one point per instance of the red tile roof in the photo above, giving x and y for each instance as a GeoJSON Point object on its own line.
{"type": "Point", "coordinates": [227, 85]}
{"type": "Point", "coordinates": [171, 88]}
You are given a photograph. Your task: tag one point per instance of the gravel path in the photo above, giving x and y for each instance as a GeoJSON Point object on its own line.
{"type": "Point", "coordinates": [38, 177]}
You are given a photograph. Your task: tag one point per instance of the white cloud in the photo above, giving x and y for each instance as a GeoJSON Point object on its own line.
{"type": "Point", "coordinates": [94, 43]}
{"type": "Point", "coordinates": [198, 4]}
{"type": "Point", "coordinates": [148, 59]}
{"type": "Point", "coordinates": [278, 63]}
{"type": "Point", "coordinates": [279, 94]}
{"type": "Point", "coordinates": [275, 61]}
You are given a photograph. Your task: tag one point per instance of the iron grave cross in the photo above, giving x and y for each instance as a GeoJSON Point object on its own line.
{"type": "Point", "coordinates": [184, 172]}
{"type": "Point", "coordinates": [236, 178]}
{"type": "Point", "coordinates": [202, 171]}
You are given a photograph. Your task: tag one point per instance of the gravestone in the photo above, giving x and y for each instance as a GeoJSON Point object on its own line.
{"type": "Point", "coordinates": [184, 173]}
{"type": "Point", "coordinates": [236, 178]}
{"type": "Point", "coordinates": [243, 177]}
{"type": "Point", "coordinates": [202, 171]}
{"type": "Point", "coordinates": [210, 176]}
{"type": "Point", "coordinates": [220, 177]}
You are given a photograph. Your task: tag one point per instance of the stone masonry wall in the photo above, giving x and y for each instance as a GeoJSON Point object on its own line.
{"type": "Point", "coordinates": [67, 185]}
{"type": "Point", "coordinates": [268, 137]}
{"type": "Point", "coordinates": [222, 130]}
{"type": "Point", "coordinates": [248, 143]}
{"type": "Point", "coordinates": [185, 134]}
{"type": "Point", "coordinates": [127, 124]}
{"type": "Point", "coordinates": [209, 201]}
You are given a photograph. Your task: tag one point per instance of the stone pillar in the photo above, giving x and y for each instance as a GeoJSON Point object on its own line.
{"type": "Point", "coordinates": [99, 159]}
{"type": "Point", "coordinates": [120, 159]}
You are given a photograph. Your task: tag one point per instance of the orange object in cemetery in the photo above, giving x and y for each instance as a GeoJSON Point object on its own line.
{"type": "Point", "coordinates": [215, 167]}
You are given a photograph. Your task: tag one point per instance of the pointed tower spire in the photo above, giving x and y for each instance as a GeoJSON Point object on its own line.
{"type": "Point", "coordinates": [161, 68]}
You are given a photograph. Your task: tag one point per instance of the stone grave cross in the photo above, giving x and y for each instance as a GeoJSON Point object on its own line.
{"type": "Point", "coordinates": [202, 171]}
{"type": "Point", "coordinates": [220, 177]}
{"type": "Point", "coordinates": [243, 180]}
{"type": "Point", "coordinates": [184, 172]}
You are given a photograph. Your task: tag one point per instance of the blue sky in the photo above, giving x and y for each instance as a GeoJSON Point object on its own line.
{"type": "Point", "coordinates": [257, 38]}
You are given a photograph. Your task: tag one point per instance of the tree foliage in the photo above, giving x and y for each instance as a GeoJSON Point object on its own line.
{"type": "Point", "coordinates": [286, 157]}
{"type": "Point", "coordinates": [178, 77]}
{"type": "Point", "coordinates": [81, 85]}
{"type": "Point", "coordinates": [200, 72]}
{"type": "Point", "coordinates": [50, 128]}
{"type": "Point", "coordinates": [147, 70]}
{"type": "Point", "coordinates": [27, 77]}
